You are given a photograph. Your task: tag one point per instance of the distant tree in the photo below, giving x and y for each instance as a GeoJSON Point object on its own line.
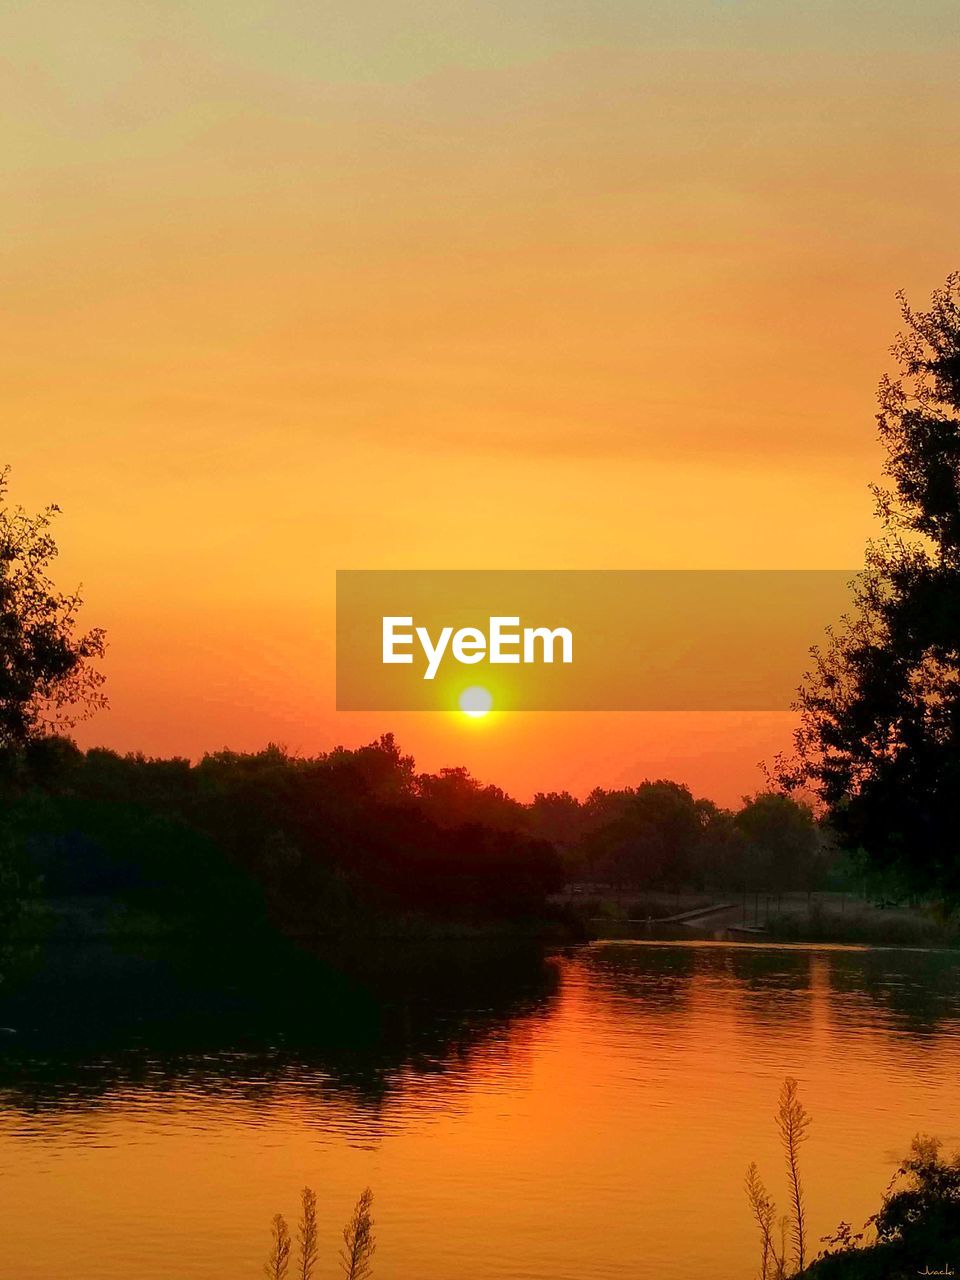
{"type": "Point", "coordinates": [879, 740]}
{"type": "Point", "coordinates": [46, 674]}
{"type": "Point", "coordinates": [379, 769]}
{"type": "Point", "coordinates": [781, 842]}
{"type": "Point", "coordinates": [646, 836]}
{"type": "Point", "coordinates": [453, 798]}
{"type": "Point", "coordinates": [722, 852]}
{"type": "Point", "coordinates": [559, 817]}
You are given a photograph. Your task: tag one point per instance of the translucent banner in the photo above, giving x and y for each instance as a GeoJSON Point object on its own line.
{"type": "Point", "coordinates": [563, 640]}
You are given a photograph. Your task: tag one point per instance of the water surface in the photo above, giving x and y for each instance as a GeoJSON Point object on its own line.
{"type": "Point", "coordinates": [519, 1115]}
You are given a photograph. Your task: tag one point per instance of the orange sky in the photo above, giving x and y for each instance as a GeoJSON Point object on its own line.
{"type": "Point", "coordinates": [294, 288]}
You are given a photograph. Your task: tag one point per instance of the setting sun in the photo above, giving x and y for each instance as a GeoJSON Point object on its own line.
{"type": "Point", "coordinates": [475, 701]}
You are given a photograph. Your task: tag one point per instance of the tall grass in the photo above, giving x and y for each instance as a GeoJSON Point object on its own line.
{"type": "Point", "coordinates": [793, 1123]}
{"type": "Point", "coordinates": [356, 1255]}
{"type": "Point", "coordinates": [307, 1234]}
{"type": "Point", "coordinates": [275, 1267]}
{"type": "Point", "coordinates": [358, 1241]}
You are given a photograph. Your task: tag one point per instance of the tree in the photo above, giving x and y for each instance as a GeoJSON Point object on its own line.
{"type": "Point", "coordinates": [781, 843]}
{"type": "Point", "coordinates": [46, 676]}
{"type": "Point", "coordinates": [647, 836]}
{"type": "Point", "coordinates": [879, 738]}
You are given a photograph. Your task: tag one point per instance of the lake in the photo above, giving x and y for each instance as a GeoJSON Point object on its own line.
{"type": "Point", "coordinates": [520, 1115]}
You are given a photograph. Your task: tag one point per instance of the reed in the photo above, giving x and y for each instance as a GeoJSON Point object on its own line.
{"type": "Point", "coordinates": [793, 1122]}
{"type": "Point", "coordinates": [307, 1234]}
{"type": "Point", "coordinates": [275, 1267]}
{"type": "Point", "coordinates": [764, 1211]}
{"type": "Point", "coordinates": [358, 1241]}
{"type": "Point", "coordinates": [356, 1255]}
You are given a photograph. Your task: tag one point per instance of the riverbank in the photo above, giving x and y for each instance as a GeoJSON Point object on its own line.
{"type": "Point", "coordinates": [831, 918]}
{"type": "Point", "coordinates": [827, 917]}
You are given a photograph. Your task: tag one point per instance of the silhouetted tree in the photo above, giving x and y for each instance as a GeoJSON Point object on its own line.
{"type": "Point", "coordinates": [313, 843]}
{"type": "Point", "coordinates": [46, 674]}
{"type": "Point", "coordinates": [453, 798]}
{"type": "Point", "coordinates": [650, 836]}
{"type": "Point", "coordinates": [11, 897]}
{"type": "Point", "coordinates": [879, 739]}
{"type": "Point", "coordinates": [781, 842]}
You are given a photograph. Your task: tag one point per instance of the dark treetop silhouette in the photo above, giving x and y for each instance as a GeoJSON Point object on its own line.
{"type": "Point", "coordinates": [46, 674]}
{"type": "Point", "coordinates": [879, 740]}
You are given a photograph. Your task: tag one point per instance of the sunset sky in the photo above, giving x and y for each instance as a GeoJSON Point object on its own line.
{"type": "Point", "coordinates": [296, 287]}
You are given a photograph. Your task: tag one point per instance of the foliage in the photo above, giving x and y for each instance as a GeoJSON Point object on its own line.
{"type": "Point", "coordinates": [659, 836]}
{"type": "Point", "coordinates": [879, 739]}
{"type": "Point", "coordinates": [46, 680]}
{"type": "Point", "coordinates": [916, 1232]}
{"type": "Point", "coordinates": [314, 843]}
{"type": "Point", "coordinates": [12, 897]}
{"type": "Point", "coordinates": [782, 847]}
{"type": "Point", "coordinates": [46, 674]}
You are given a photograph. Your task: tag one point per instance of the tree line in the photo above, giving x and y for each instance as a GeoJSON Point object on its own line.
{"type": "Point", "coordinates": [877, 749]}
{"type": "Point", "coordinates": [312, 841]}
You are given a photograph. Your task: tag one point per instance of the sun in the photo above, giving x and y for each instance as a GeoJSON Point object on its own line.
{"type": "Point", "coordinates": [475, 701]}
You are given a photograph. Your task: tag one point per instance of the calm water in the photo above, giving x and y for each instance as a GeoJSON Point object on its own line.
{"type": "Point", "coordinates": [525, 1117]}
